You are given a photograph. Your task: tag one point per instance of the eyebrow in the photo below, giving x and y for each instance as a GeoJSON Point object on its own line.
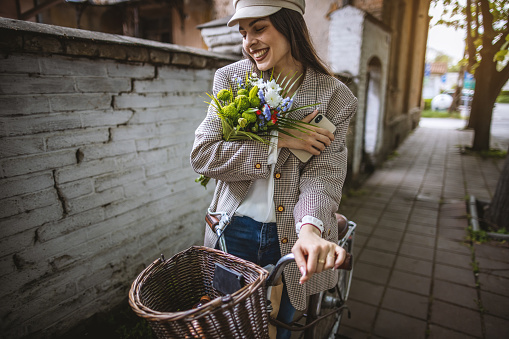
{"type": "Point", "coordinates": [252, 23]}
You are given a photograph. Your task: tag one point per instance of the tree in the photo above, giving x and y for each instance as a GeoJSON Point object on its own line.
{"type": "Point", "coordinates": [497, 212]}
{"type": "Point", "coordinates": [487, 40]}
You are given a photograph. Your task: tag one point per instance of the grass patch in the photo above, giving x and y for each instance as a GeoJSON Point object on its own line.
{"type": "Point", "coordinates": [440, 114]}
{"type": "Point", "coordinates": [493, 153]}
{"type": "Point", "coordinates": [393, 155]}
{"type": "Point", "coordinates": [503, 99]}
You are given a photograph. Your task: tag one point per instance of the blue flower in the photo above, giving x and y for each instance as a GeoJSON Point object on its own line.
{"type": "Point", "coordinates": [261, 96]}
{"type": "Point", "coordinates": [266, 112]}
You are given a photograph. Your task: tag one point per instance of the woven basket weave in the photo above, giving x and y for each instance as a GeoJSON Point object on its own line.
{"type": "Point", "coordinates": [165, 292]}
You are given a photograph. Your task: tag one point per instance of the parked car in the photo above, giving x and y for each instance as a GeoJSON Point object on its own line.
{"type": "Point", "coordinates": [466, 95]}
{"type": "Point", "coordinates": [441, 102]}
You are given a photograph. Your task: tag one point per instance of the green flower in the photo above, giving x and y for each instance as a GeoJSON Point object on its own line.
{"type": "Point", "coordinates": [250, 117]}
{"type": "Point", "coordinates": [253, 97]}
{"type": "Point", "coordinates": [242, 103]}
{"type": "Point", "coordinates": [224, 95]}
{"type": "Point", "coordinates": [242, 122]}
{"type": "Point", "coordinates": [231, 112]}
{"type": "Point", "coordinates": [243, 91]}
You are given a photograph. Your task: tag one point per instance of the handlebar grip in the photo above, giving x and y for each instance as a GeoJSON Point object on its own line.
{"type": "Point", "coordinates": [347, 264]}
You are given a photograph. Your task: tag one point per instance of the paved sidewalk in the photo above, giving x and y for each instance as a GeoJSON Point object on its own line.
{"type": "Point", "coordinates": [414, 276]}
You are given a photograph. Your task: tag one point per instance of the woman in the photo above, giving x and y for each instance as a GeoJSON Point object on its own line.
{"type": "Point", "coordinates": [277, 203]}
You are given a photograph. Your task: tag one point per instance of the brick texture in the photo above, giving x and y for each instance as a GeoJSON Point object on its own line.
{"type": "Point", "coordinates": [95, 179]}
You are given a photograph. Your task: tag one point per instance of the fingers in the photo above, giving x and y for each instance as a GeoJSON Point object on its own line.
{"type": "Point", "coordinates": [300, 260]}
{"type": "Point", "coordinates": [321, 258]}
{"type": "Point", "coordinates": [310, 116]}
{"type": "Point", "coordinates": [331, 258]}
{"type": "Point", "coordinates": [340, 256]}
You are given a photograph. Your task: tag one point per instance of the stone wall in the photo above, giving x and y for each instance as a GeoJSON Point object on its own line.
{"type": "Point", "coordinates": [95, 136]}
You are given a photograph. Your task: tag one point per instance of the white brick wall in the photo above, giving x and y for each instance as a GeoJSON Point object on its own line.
{"type": "Point", "coordinates": [345, 40]}
{"type": "Point", "coordinates": [95, 181]}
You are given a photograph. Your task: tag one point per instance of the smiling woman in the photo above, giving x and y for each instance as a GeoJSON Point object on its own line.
{"type": "Point", "coordinates": [277, 203]}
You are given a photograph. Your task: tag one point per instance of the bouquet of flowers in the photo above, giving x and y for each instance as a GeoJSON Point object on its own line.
{"type": "Point", "coordinates": [255, 109]}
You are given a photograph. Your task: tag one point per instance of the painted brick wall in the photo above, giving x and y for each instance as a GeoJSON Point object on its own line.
{"type": "Point", "coordinates": [95, 136]}
{"type": "Point", "coordinates": [345, 40]}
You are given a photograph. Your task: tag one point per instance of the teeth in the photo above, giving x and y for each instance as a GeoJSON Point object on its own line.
{"type": "Point", "coordinates": [260, 53]}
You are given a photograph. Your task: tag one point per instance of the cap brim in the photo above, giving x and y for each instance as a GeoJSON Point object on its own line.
{"type": "Point", "coordinates": [252, 12]}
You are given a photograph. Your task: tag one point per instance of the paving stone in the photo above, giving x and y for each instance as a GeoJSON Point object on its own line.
{"type": "Point", "coordinates": [394, 235]}
{"type": "Point", "coordinates": [490, 266]}
{"type": "Point", "coordinates": [394, 325]}
{"type": "Point", "coordinates": [371, 273]}
{"type": "Point", "coordinates": [496, 327]}
{"type": "Point", "coordinates": [494, 283]}
{"type": "Point", "coordinates": [364, 229]}
{"type": "Point", "coordinates": [418, 239]}
{"type": "Point", "coordinates": [363, 316]}
{"type": "Point", "coordinates": [495, 304]}
{"type": "Point", "coordinates": [406, 302]}
{"type": "Point", "coordinates": [454, 259]}
{"type": "Point", "coordinates": [416, 251]}
{"type": "Point", "coordinates": [492, 250]}
{"type": "Point", "coordinates": [398, 225]}
{"type": "Point", "coordinates": [410, 282]}
{"type": "Point", "coordinates": [462, 296]}
{"type": "Point", "coordinates": [439, 332]}
{"type": "Point", "coordinates": [366, 292]}
{"type": "Point", "coordinates": [377, 257]}
{"type": "Point", "coordinates": [452, 245]}
{"type": "Point", "coordinates": [396, 216]}
{"type": "Point", "coordinates": [456, 317]}
{"type": "Point", "coordinates": [360, 241]}
{"type": "Point", "coordinates": [455, 275]}
{"type": "Point", "coordinates": [422, 229]}
{"type": "Point", "coordinates": [413, 265]}
{"type": "Point", "coordinates": [453, 233]}
{"type": "Point", "coordinates": [382, 244]}
{"type": "Point", "coordinates": [346, 332]}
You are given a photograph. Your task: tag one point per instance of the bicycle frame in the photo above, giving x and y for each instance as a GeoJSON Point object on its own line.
{"type": "Point", "coordinates": [275, 272]}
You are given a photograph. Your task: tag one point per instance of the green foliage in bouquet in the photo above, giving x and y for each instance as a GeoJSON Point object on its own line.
{"type": "Point", "coordinates": [258, 108]}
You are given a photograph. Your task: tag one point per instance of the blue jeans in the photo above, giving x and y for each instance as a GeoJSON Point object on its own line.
{"type": "Point", "coordinates": [258, 242]}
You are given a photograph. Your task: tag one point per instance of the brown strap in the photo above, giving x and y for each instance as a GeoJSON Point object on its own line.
{"type": "Point", "coordinates": [212, 221]}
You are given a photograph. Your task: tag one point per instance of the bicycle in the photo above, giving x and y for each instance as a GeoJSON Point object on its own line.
{"type": "Point", "coordinates": [325, 307]}
{"type": "Point", "coordinates": [165, 292]}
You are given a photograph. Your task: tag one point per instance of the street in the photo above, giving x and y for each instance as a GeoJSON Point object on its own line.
{"type": "Point", "coordinates": [499, 125]}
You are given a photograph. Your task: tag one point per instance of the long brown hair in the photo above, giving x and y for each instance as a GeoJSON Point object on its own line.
{"type": "Point", "coordinates": [293, 27]}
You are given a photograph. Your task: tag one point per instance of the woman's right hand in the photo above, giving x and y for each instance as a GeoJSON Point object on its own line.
{"type": "Point", "coordinates": [313, 141]}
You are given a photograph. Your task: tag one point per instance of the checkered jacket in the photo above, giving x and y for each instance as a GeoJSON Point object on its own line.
{"type": "Point", "coordinates": [312, 188]}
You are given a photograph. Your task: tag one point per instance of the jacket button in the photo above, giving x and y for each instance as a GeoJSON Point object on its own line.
{"type": "Point", "coordinates": [277, 175]}
{"type": "Point", "coordinates": [258, 166]}
{"type": "Point", "coordinates": [328, 233]}
{"type": "Point", "coordinates": [280, 208]}
{"type": "Point", "coordinates": [284, 240]}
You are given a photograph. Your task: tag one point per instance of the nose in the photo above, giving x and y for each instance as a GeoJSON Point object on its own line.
{"type": "Point", "coordinates": [249, 41]}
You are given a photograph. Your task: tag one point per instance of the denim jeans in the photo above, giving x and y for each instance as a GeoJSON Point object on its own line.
{"type": "Point", "coordinates": [258, 242]}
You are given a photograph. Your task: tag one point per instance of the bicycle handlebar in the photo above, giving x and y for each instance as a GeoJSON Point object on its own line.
{"type": "Point", "coordinates": [275, 271]}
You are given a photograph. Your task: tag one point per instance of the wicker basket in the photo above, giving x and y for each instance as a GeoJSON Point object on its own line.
{"type": "Point", "coordinates": [165, 292]}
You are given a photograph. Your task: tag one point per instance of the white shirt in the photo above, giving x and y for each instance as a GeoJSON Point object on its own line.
{"type": "Point", "coordinates": [259, 202]}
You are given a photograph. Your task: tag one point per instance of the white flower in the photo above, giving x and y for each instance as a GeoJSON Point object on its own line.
{"type": "Point", "coordinates": [272, 85]}
{"type": "Point", "coordinates": [260, 83]}
{"type": "Point", "coordinates": [254, 75]}
{"type": "Point", "coordinates": [273, 98]}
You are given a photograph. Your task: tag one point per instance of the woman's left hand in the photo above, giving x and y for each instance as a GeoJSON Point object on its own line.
{"type": "Point", "coordinates": [313, 254]}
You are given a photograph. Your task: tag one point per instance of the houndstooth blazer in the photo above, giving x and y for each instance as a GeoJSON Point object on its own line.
{"type": "Point", "coordinates": [312, 188]}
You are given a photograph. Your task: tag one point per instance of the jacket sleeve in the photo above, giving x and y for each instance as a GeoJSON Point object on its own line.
{"type": "Point", "coordinates": [322, 178]}
{"type": "Point", "coordinates": [226, 160]}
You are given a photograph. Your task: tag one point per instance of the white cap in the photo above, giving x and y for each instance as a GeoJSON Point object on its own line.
{"type": "Point", "coordinates": [262, 8]}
